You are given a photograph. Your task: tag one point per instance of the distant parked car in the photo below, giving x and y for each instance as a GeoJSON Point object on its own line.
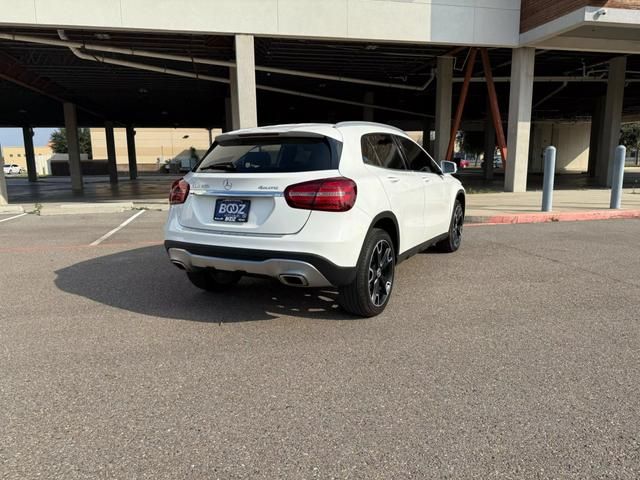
{"type": "Point", "coordinates": [461, 162]}
{"type": "Point", "coordinates": [12, 168]}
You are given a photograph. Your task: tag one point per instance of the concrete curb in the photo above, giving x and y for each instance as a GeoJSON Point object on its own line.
{"type": "Point", "coordinates": [79, 208]}
{"type": "Point", "coordinates": [9, 209]}
{"type": "Point", "coordinates": [162, 206]}
{"type": "Point", "coordinates": [84, 208]}
{"type": "Point", "coordinates": [544, 217]}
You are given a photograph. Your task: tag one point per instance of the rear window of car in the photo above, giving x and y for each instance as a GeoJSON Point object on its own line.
{"type": "Point", "coordinates": [271, 155]}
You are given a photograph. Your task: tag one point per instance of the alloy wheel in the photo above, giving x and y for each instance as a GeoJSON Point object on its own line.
{"type": "Point", "coordinates": [456, 231]}
{"type": "Point", "coordinates": [381, 273]}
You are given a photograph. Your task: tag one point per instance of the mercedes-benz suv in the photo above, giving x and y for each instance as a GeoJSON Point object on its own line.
{"type": "Point", "coordinates": [313, 205]}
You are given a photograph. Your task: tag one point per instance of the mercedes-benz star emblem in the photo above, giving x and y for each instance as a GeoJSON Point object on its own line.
{"type": "Point", "coordinates": [227, 184]}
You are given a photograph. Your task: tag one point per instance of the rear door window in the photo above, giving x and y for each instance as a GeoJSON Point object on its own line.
{"type": "Point", "coordinates": [417, 159]}
{"type": "Point", "coordinates": [380, 150]}
{"type": "Point", "coordinates": [270, 155]}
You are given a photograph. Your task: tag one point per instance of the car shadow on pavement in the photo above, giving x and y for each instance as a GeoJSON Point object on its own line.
{"type": "Point", "coordinates": [144, 281]}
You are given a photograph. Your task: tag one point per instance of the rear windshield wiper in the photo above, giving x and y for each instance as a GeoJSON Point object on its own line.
{"type": "Point", "coordinates": [228, 166]}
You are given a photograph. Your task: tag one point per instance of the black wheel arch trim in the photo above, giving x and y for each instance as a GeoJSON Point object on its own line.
{"type": "Point", "coordinates": [387, 215]}
{"type": "Point", "coordinates": [335, 274]}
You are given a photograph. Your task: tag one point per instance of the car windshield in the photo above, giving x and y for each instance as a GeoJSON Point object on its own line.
{"type": "Point", "coordinates": [269, 155]}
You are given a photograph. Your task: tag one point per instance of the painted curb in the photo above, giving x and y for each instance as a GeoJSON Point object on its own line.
{"type": "Point", "coordinates": [519, 218]}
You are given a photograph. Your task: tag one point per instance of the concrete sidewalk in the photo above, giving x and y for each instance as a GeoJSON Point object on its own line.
{"type": "Point", "coordinates": [568, 205]}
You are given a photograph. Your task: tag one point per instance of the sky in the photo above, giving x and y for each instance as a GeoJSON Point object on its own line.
{"type": "Point", "coordinates": [12, 137]}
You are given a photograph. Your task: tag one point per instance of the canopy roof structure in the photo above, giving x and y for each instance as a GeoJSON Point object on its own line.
{"type": "Point", "coordinates": [36, 77]}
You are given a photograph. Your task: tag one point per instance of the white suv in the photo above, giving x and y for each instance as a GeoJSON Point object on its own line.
{"type": "Point", "coordinates": [313, 205]}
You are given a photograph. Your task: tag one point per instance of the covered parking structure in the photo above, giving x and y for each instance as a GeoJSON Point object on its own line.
{"type": "Point", "coordinates": [95, 68]}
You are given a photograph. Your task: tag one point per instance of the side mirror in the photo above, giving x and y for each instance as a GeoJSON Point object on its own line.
{"type": "Point", "coordinates": [448, 167]}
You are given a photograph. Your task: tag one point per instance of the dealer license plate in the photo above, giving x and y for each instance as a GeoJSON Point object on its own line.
{"type": "Point", "coordinates": [231, 210]}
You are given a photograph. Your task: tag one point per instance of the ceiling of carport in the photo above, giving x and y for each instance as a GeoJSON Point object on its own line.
{"type": "Point", "coordinates": [144, 98]}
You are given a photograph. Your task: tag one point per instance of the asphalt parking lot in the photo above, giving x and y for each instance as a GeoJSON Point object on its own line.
{"type": "Point", "coordinates": [516, 357]}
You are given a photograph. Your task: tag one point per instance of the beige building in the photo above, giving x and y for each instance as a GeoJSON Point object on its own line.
{"type": "Point", "coordinates": [154, 146]}
{"type": "Point", "coordinates": [16, 155]}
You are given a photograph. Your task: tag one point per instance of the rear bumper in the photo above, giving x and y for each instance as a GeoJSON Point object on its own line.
{"type": "Point", "coordinates": [291, 268]}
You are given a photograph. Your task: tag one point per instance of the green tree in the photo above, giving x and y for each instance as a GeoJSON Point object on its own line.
{"type": "Point", "coordinates": [630, 138]}
{"type": "Point", "coordinates": [472, 142]}
{"type": "Point", "coordinates": [58, 141]}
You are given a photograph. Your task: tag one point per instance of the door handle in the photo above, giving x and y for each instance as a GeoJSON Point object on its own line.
{"type": "Point", "coordinates": [426, 179]}
{"type": "Point", "coordinates": [393, 179]}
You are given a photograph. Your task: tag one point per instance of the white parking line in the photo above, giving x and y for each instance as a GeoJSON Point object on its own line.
{"type": "Point", "coordinates": [11, 218]}
{"type": "Point", "coordinates": [117, 229]}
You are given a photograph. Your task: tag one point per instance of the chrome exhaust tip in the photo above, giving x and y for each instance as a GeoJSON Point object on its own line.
{"type": "Point", "coordinates": [178, 264]}
{"type": "Point", "coordinates": [294, 280]}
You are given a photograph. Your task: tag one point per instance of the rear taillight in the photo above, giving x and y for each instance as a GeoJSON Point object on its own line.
{"type": "Point", "coordinates": [179, 192]}
{"type": "Point", "coordinates": [329, 194]}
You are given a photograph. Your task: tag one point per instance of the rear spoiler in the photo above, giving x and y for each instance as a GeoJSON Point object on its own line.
{"type": "Point", "coordinates": [235, 138]}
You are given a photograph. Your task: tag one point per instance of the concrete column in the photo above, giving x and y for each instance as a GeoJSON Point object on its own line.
{"type": "Point", "coordinates": [71, 126]}
{"type": "Point", "coordinates": [210, 136]}
{"type": "Point", "coordinates": [519, 130]}
{"type": "Point", "coordinates": [594, 137]}
{"type": "Point", "coordinates": [228, 114]}
{"type": "Point", "coordinates": [611, 119]}
{"type": "Point", "coordinates": [489, 144]}
{"type": "Point", "coordinates": [427, 126]}
{"type": "Point", "coordinates": [367, 112]}
{"type": "Point", "coordinates": [243, 84]}
{"type": "Point", "coordinates": [29, 153]}
{"type": "Point", "coordinates": [233, 111]}
{"type": "Point", "coordinates": [4, 198]}
{"type": "Point", "coordinates": [112, 167]}
{"type": "Point", "coordinates": [444, 88]}
{"type": "Point", "coordinates": [131, 152]}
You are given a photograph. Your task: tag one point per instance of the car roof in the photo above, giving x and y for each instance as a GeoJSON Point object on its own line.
{"type": "Point", "coordinates": [336, 131]}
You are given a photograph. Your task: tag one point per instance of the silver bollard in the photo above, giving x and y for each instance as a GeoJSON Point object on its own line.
{"type": "Point", "coordinates": [549, 175]}
{"type": "Point", "coordinates": [618, 176]}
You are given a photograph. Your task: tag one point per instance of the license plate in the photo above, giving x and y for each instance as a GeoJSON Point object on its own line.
{"type": "Point", "coordinates": [231, 210]}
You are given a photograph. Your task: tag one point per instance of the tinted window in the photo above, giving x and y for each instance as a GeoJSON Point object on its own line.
{"type": "Point", "coordinates": [380, 150]}
{"type": "Point", "coordinates": [417, 159]}
{"type": "Point", "coordinates": [269, 155]}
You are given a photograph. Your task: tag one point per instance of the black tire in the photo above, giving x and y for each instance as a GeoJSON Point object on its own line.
{"type": "Point", "coordinates": [213, 281]}
{"type": "Point", "coordinates": [369, 293]}
{"type": "Point", "coordinates": [453, 240]}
